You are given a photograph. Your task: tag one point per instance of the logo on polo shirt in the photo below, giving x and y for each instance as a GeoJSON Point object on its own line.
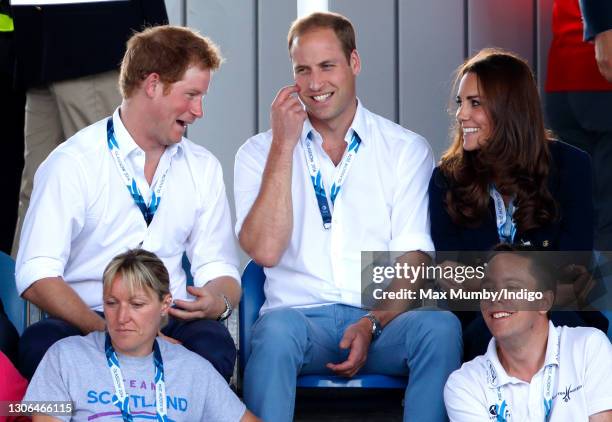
{"type": "Point", "coordinates": [567, 393]}
{"type": "Point", "coordinates": [491, 375]}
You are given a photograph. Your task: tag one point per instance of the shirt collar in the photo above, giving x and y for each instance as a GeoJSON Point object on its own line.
{"type": "Point", "coordinates": [358, 125]}
{"type": "Point", "coordinates": [496, 374]}
{"type": "Point", "coordinates": [126, 143]}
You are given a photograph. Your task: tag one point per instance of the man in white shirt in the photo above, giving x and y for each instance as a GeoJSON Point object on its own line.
{"type": "Point", "coordinates": [329, 180]}
{"type": "Point", "coordinates": [133, 180]}
{"type": "Point", "coordinates": [532, 370]}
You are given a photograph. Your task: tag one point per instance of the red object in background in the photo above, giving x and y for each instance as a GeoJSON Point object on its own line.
{"type": "Point", "coordinates": [571, 61]}
{"type": "Point", "coordinates": [12, 387]}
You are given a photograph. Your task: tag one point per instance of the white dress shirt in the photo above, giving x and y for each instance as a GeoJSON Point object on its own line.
{"type": "Point", "coordinates": [81, 214]}
{"type": "Point", "coordinates": [382, 206]}
{"type": "Point", "coordinates": [582, 384]}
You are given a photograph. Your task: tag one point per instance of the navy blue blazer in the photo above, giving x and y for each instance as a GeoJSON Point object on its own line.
{"type": "Point", "coordinates": [570, 185]}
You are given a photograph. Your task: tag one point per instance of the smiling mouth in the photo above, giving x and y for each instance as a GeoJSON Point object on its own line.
{"type": "Point", "coordinates": [501, 315]}
{"type": "Point", "coordinates": [470, 130]}
{"type": "Point", "coordinates": [321, 98]}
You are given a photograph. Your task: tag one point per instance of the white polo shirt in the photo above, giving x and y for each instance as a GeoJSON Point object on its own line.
{"type": "Point", "coordinates": [582, 383]}
{"type": "Point", "coordinates": [383, 205]}
{"type": "Point", "coordinates": [81, 214]}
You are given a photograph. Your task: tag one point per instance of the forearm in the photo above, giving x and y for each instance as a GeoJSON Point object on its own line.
{"type": "Point", "coordinates": [266, 231]}
{"type": "Point", "coordinates": [386, 311]}
{"type": "Point", "coordinates": [54, 296]}
{"type": "Point", "coordinates": [605, 416]}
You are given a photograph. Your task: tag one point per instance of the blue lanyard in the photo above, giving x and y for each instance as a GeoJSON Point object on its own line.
{"type": "Point", "coordinates": [341, 173]}
{"type": "Point", "coordinates": [148, 212]}
{"type": "Point", "coordinates": [121, 398]}
{"type": "Point", "coordinates": [548, 384]}
{"type": "Point", "coordinates": [506, 229]}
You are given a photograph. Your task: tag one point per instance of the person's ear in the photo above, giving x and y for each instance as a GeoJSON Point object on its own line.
{"type": "Point", "coordinates": [355, 62]}
{"type": "Point", "coordinates": [166, 304]}
{"type": "Point", "coordinates": [547, 302]}
{"type": "Point", "coordinates": [152, 84]}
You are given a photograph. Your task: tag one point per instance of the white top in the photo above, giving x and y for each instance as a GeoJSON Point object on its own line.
{"type": "Point", "coordinates": [582, 386]}
{"type": "Point", "coordinates": [383, 205]}
{"type": "Point", "coordinates": [81, 214]}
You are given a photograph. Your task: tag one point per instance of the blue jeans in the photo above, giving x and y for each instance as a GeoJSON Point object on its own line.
{"type": "Point", "coordinates": [291, 341]}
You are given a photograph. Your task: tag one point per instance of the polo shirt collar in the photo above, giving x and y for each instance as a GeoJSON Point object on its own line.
{"type": "Point", "coordinates": [496, 374]}
{"type": "Point", "coordinates": [358, 125]}
{"type": "Point", "coordinates": [126, 143]}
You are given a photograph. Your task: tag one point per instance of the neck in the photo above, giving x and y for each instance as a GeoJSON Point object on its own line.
{"type": "Point", "coordinates": [522, 357]}
{"type": "Point", "coordinates": [140, 352]}
{"type": "Point", "coordinates": [333, 130]}
{"type": "Point", "coordinates": [134, 119]}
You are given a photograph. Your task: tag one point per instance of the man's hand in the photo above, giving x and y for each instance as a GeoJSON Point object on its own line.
{"type": "Point", "coordinates": [206, 305]}
{"type": "Point", "coordinates": [357, 338]}
{"type": "Point", "coordinates": [603, 53]}
{"type": "Point", "coordinates": [287, 117]}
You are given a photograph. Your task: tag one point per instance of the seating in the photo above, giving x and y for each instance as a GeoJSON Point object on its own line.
{"type": "Point", "coordinates": [253, 298]}
{"type": "Point", "coordinates": [14, 306]}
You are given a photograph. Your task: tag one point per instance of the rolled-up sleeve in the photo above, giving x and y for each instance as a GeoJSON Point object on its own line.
{"type": "Point", "coordinates": [410, 212]}
{"type": "Point", "coordinates": [211, 247]}
{"type": "Point", "coordinates": [55, 216]}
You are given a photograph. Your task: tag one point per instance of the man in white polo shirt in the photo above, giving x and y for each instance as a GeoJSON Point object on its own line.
{"type": "Point", "coordinates": [133, 180]}
{"type": "Point", "coordinates": [329, 180]}
{"type": "Point", "coordinates": [532, 370]}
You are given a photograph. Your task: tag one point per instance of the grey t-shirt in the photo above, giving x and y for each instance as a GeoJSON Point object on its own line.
{"type": "Point", "coordinates": [75, 369]}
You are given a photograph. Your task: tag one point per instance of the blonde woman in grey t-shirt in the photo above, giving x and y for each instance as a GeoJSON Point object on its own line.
{"type": "Point", "coordinates": [130, 371]}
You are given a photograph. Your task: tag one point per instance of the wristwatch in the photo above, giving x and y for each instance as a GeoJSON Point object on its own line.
{"type": "Point", "coordinates": [376, 325]}
{"type": "Point", "coordinates": [228, 309]}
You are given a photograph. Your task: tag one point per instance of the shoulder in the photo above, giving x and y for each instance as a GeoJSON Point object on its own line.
{"type": "Point", "coordinates": [193, 151]}
{"type": "Point", "coordinates": [395, 135]}
{"type": "Point", "coordinates": [75, 349]}
{"type": "Point", "coordinates": [471, 374]}
{"type": "Point", "coordinates": [589, 339]}
{"type": "Point", "coordinates": [565, 155]}
{"type": "Point", "coordinates": [84, 147]}
{"type": "Point", "coordinates": [256, 147]}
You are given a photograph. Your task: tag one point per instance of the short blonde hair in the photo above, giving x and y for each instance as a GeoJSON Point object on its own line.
{"type": "Point", "coordinates": [139, 269]}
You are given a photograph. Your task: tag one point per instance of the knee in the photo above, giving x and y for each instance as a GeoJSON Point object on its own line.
{"type": "Point", "coordinates": [440, 331]}
{"type": "Point", "coordinates": [279, 332]}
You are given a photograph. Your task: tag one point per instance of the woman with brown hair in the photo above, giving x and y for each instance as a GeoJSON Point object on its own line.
{"type": "Point", "coordinates": [505, 180]}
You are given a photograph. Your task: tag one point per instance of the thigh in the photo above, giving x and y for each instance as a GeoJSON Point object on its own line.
{"type": "Point", "coordinates": [409, 334]}
{"type": "Point", "coordinates": [83, 101]}
{"type": "Point", "coordinates": [37, 339]}
{"type": "Point", "coordinates": [209, 339]}
{"type": "Point", "coordinates": [305, 335]}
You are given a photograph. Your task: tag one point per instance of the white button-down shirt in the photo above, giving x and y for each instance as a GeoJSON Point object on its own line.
{"type": "Point", "coordinates": [382, 206]}
{"type": "Point", "coordinates": [582, 383]}
{"type": "Point", "coordinates": [81, 214]}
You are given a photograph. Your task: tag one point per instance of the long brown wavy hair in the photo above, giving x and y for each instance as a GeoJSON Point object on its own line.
{"type": "Point", "coordinates": [515, 157]}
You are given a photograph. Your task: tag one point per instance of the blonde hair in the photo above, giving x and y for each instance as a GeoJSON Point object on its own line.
{"type": "Point", "coordinates": [139, 270]}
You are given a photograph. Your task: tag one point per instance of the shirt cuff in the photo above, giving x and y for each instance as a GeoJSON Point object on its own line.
{"type": "Point", "coordinates": [215, 270]}
{"type": "Point", "coordinates": [412, 242]}
{"type": "Point", "coordinates": [36, 269]}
